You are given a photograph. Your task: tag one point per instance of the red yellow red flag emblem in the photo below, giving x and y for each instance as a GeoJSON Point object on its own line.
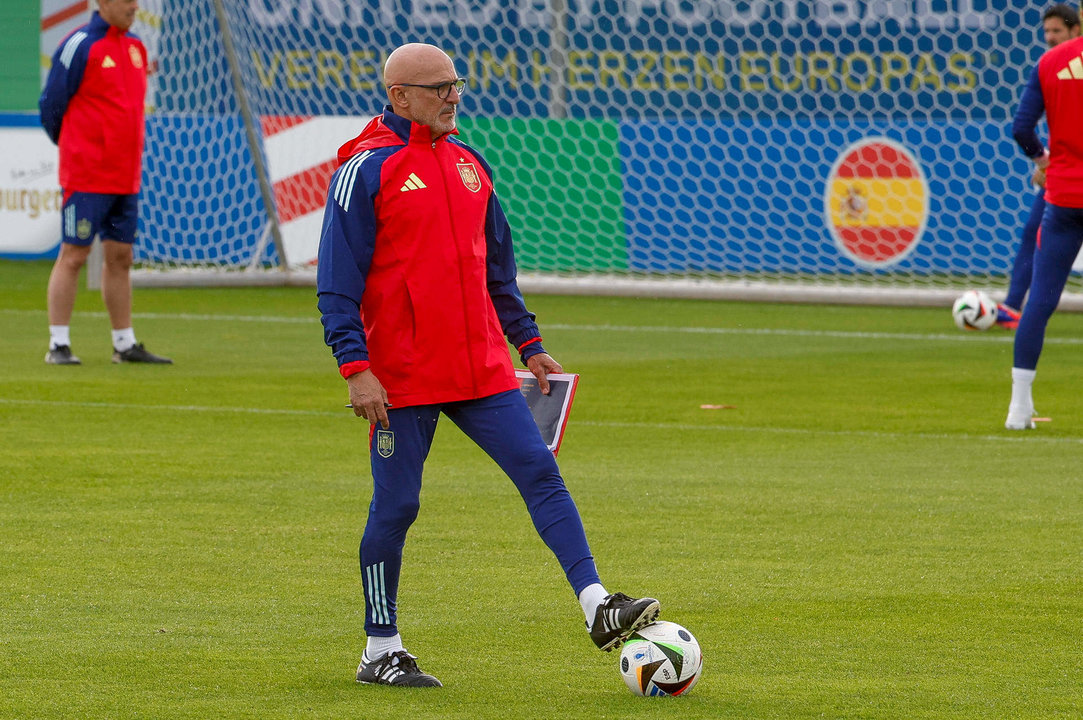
{"type": "Point", "coordinates": [876, 202]}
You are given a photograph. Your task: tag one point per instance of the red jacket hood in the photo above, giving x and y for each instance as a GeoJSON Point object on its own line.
{"type": "Point", "coordinates": [375, 134]}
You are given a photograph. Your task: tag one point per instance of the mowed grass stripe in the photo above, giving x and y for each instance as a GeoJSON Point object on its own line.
{"type": "Point", "coordinates": [994, 337]}
{"type": "Point", "coordinates": [682, 427]}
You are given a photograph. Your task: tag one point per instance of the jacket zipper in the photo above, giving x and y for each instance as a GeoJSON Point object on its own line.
{"type": "Point", "coordinates": [459, 263]}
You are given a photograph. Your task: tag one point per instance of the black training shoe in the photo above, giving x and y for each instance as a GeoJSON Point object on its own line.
{"type": "Point", "coordinates": [398, 668]}
{"type": "Point", "coordinates": [139, 354]}
{"type": "Point", "coordinates": [619, 616]}
{"type": "Point", "coordinates": [61, 355]}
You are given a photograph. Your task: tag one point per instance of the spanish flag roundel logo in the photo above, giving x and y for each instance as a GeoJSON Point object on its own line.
{"type": "Point", "coordinates": [876, 202]}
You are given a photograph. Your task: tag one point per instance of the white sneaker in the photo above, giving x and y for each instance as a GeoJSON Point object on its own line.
{"type": "Point", "coordinates": [1020, 418]}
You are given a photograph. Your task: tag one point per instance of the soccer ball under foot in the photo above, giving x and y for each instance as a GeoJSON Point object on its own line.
{"type": "Point", "coordinates": [974, 310]}
{"type": "Point", "coordinates": [661, 659]}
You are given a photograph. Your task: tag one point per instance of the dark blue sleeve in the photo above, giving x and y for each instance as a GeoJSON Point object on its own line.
{"type": "Point", "coordinates": [347, 243]}
{"type": "Point", "coordinates": [65, 76]}
{"type": "Point", "coordinates": [517, 322]}
{"type": "Point", "coordinates": [1030, 111]}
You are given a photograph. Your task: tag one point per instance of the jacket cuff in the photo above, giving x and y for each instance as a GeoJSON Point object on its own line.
{"type": "Point", "coordinates": [352, 368]}
{"type": "Point", "coordinates": [530, 348]}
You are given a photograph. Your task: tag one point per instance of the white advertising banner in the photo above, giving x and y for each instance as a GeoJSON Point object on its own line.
{"type": "Point", "coordinates": [30, 196]}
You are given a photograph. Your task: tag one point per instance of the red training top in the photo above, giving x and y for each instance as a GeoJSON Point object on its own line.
{"type": "Point", "coordinates": [1061, 74]}
{"type": "Point", "coordinates": [92, 107]}
{"type": "Point", "coordinates": [415, 239]}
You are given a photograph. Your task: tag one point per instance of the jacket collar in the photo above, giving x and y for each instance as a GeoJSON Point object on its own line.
{"type": "Point", "coordinates": [97, 23]}
{"type": "Point", "coordinates": [410, 131]}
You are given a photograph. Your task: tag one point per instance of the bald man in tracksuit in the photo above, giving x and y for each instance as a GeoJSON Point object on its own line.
{"type": "Point", "coordinates": [417, 290]}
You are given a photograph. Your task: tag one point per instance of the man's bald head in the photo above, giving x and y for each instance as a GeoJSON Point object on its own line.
{"type": "Point", "coordinates": [420, 81]}
{"type": "Point", "coordinates": [417, 63]}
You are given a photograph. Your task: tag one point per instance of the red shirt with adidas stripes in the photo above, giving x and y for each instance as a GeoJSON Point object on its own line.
{"type": "Point", "coordinates": [92, 106]}
{"type": "Point", "coordinates": [416, 276]}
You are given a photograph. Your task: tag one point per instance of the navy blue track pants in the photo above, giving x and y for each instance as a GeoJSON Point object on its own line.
{"type": "Point", "coordinates": [1023, 265]}
{"type": "Point", "coordinates": [1058, 246]}
{"type": "Point", "coordinates": [503, 427]}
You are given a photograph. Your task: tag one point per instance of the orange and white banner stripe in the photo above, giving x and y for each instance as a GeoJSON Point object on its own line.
{"type": "Point", "coordinates": [302, 154]}
{"type": "Point", "coordinates": [58, 19]}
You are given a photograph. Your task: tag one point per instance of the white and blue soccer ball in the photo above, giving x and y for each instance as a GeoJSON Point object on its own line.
{"type": "Point", "coordinates": [661, 659]}
{"type": "Point", "coordinates": [974, 310]}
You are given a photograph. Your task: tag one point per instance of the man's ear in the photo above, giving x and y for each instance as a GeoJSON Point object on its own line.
{"type": "Point", "coordinates": [396, 95]}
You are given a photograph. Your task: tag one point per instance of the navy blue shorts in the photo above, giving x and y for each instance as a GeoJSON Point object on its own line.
{"type": "Point", "coordinates": [88, 215]}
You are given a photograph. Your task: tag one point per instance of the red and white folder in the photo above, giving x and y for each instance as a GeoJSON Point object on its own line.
{"type": "Point", "coordinates": [550, 411]}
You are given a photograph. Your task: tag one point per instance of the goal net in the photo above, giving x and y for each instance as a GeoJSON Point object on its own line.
{"type": "Point", "coordinates": [719, 148]}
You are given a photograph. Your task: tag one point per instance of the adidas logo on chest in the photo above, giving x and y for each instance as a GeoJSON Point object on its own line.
{"type": "Point", "coordinates": [1074, 70]}
{"type": "Point", "coordinates": [413, 183]}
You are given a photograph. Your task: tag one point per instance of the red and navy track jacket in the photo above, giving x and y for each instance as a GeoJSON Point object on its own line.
{"type": "Point", "coordinates": [1056, 88]}
{"type": "Point", "coordinates": [92, 107]}
{"type": "Point", "coordinates": [416, 273]}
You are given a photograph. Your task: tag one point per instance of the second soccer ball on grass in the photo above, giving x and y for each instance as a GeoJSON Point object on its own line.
{"type": "Point", "coordinates": [974, 310]}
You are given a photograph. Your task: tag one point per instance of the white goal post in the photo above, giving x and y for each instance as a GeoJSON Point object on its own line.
{"type": "Point", "coordinates": [799, 150]}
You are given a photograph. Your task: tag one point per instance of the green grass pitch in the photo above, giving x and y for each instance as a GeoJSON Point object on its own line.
{"type": "Point", "coordinates": [857, 537]}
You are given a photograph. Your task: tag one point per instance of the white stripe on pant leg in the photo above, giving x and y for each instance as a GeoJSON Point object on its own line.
{"type": "Point", "coordinates": [372, 594]}
{"type": "Point", "coordinates": [383, 596]}
{"type": "Point", "coordinates": [368, 591]}
{"type": "Point", "coordinates": [377, 594]}
{"type": "Point", "coordinates": [379, 591]}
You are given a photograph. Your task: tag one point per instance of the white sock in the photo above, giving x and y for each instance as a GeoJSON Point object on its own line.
{"type": "Point", "coordinates": [123, 339]}
{"type": "Point", "coordinates": [1022, 380]}
{"type": "Point", "coordinates": [590, 598]}
{"type": "Point", "coordinates": [377, 647]}
{"type": "Point", "coordinates": [59, 335]}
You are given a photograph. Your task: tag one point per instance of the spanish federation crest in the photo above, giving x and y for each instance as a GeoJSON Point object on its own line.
{"type": "Point", "coordinates": [82, 229]}
{"type": "Point", "coordinates": [137, 59]}
{"type": "Point", "coordinates": [470, 177]}
{"type": "Point", "coordinates": [385, 443]}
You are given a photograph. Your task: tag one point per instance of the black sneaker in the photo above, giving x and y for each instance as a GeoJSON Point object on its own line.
{"type": "Point", "coordinates": [619, 616]}
{"type": "Point", "coordinates": [398, 669]}
{"type": "Point", "coordinates": [139, 354]}
{"type": "Point", "coordinates": [61, 355]}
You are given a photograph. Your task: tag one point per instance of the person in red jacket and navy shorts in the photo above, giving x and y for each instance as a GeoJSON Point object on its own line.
{"type": "Point", "coordinates": [92, 107]}
{"type": "Point", "coordinates": [417, 290]}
